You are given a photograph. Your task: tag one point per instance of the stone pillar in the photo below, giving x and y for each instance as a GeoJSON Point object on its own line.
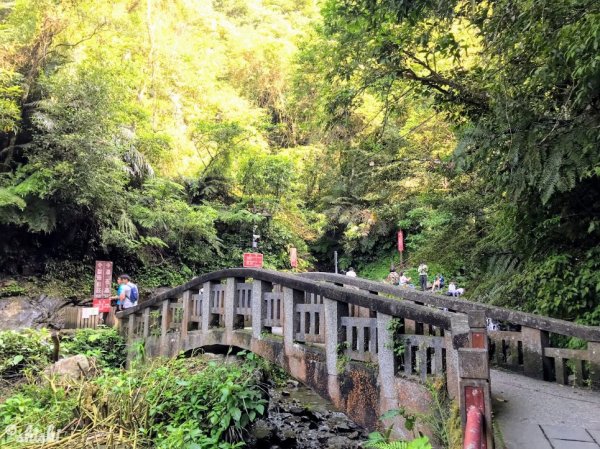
{"type": "Point", "coordinates": [478, 329]}
{"type": "Point", "coordinates": [534, 363]}
{"type": "Point", "coordinates": [334, 311]}
{"type": "Point", "coordinates": [187, 310]}
{"type": "Point", "coordinates": [164, 328]}
{"type": "Point", "coordinates": [146, 318]}
{"type": "Point", "coordinates": [291, 298]}
{"type": "Point", "coordinates": [131, 327]}
{"type": "Point", "coordinates": [206, 306]}
{"type": "Point", "coordinates": [410, 326]}
{"type": "Point", "coordinates": [475, 388]}
{"type": "Point", "coordinates": [474, 372]}
{"type": "Point", "coordinates": [594, 350]}
{"type": "Point", "coordinates": [455, 338]}
{"type": "Point", "coordinates": [229, 306]}
{"type": "Point", "coordinates": [259, 312]}
{"type": "Point", "coordinates": [386, 361]}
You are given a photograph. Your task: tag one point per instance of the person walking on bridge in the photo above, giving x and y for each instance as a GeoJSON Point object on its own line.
{"type": "Point", "coordinates": [423, 269]}
{"type": "Point", "coordinates": [123, 293]}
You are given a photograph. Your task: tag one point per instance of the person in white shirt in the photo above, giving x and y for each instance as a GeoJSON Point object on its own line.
{"type": "Point", "coordinates": [404, 280]}
{"type": "Point", "coordinates": [453, 290]}
{"type": "Point", "coordinates": [351, 272]}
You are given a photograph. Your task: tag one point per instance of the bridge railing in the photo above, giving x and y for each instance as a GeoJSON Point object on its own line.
{"type": "Point", "coordinates": [526, 348]}
{"type": "Point", "coordinates": [405, 341]}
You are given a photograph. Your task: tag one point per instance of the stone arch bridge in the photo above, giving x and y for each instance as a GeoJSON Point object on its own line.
{"type": "Point", "coordinates": [341, 336]}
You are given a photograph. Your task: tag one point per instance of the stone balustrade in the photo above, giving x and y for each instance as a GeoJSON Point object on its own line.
{"type": "Point", "coordinates": [364, 352]}
{"type": "Point", "coordinates": [529, 348]}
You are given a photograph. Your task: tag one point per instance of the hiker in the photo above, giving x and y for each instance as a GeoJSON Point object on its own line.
{"type": "Point", "coordinates": [404, 280]}
{"type": "Point", "coordinates": [453, 290]}
{"type": "Point", "coordinates": [423, 275]}
{"type": "Point", "coordinates": [393, 278]}
{"type": "Point", "coordinates": [123, 293]}
{"type": "Point", "coordinates": [134, 293]}
{"type": "Point", "coordinates": [351, 272]}
{"type": "Point", "coordinates": [438, 283]}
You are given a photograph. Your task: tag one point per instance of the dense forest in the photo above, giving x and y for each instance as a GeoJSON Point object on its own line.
{"type": "Point", "coordinates": [162, 135]}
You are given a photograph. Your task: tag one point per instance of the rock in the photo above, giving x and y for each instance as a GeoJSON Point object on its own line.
{"type": "Point", "coordinates": [262, 430]}
{"type": "Point", "coordinates": [285, 393]}
{"type": "Point", "coordinates": [22, 312]}
{"type": "Point", "coordinates": [291, 383]}
{"type": "Point", "coordinates": [340, 443]}
{"type": "Point", "coordinates": [296, 410]}
{"type": "Point", "coordinates": [74, 367]}
{"type": "Point", "coordinates": [353, 436]}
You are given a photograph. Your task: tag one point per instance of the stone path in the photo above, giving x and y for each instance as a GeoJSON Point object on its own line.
{"type": "Point", "coordinates": [533, 414]}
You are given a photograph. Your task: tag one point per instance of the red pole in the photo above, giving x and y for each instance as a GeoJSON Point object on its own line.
{"type": "Point", "coordinates": [473, 429]}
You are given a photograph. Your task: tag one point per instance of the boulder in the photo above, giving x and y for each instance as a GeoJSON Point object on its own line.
{"type": "Point", "coordinates": [20, 312]}
{"type": "Point", "coordinates": [74, 367]}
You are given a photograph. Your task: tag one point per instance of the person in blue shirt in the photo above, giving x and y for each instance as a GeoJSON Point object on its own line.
{"type": "Point", "coordinates": [123, 293]}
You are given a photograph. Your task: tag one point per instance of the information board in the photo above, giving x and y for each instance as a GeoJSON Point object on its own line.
{"type": "Point", "coordinates": [103, 279]}
{"type": "Point", "coordinates": [253, 260]}
{"type": "Point", "coordinates": [102, 304]}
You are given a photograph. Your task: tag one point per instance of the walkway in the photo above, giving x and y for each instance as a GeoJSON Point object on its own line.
{"type": "Point", "coordinates": [544, 415]}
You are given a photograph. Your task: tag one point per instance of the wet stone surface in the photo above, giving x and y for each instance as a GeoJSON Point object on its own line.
{"type": "Point", "coordinates": [299, 419]}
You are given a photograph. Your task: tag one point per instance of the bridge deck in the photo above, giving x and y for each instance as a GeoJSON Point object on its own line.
{"type": "Point", "coordinates": [541, 415]}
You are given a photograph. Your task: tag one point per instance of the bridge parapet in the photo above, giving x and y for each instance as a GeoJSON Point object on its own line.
{"type": "Point", "coordinates": [530, 347]}
{"type": "Point", "coordinates": [343, 342]}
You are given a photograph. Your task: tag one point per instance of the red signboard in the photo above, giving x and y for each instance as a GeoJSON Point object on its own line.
{"type": "Point", "coordinates": [400, 241]}
{"type": "Point", "coordinates": [294, 257]}
{"type": "Point", "coordinates": [253, 260]}
{"type": "Point", "coordinates": [103, 305]}
{"type": "Point", "coordinates": [102, 279]}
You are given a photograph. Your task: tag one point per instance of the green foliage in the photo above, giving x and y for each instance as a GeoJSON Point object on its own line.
{"type": "Point", "coordinates": [11, 289]}
{"type": "Point", "coordinates": [167, 403]}
{"type": "Point", "coordinates": [27, 351]}
{"type": "Point", "coordinates": [106, 345]}
{"type": "Point", "coordinates": [417, 443]}
{"type": "Point", "coordinates": [378, 440]}
{"type": "Point", "coordinates": [219, 402]}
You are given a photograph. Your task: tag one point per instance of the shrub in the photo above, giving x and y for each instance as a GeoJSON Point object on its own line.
{"type": "Point", "coordinates": [20, 351]}
{"type": "Point", "coordinates": [105, 344]}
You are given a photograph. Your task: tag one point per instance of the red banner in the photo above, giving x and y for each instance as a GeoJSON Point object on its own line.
{"type": "Point", "coordinates": [103, 305]}
{"type": "Point", "coordinates": [400, 241]}
{"type": "Point", "coordinates": [294, 257]}
{"type": "Point", "coordinates": [253, 260]}
{"type": "Point", "coordinates": [103, 279]}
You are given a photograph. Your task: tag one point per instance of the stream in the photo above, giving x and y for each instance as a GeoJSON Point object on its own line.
{"type": "Point", "coordinates": [300, 419]}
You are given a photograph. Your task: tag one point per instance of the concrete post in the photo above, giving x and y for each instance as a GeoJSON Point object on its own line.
{"type": "Point", "coordinates": [455, 338]}
{"type": "Point", "coordinates": [164, 327]}
{"type": "Point", "coordinates": [386, 360]}
{"type": "Point", "coordinates": [187, 310]}
{"type": "Point", "coordinates": [206, 306]}
{"type": "Point", "coordinates": [475, 387]}
{"type": "Point", "coordinates": [594, 350]}
{"type": "Point", "coordinates": [291, 322]}
{"type": "Point", "coordinates": [131, 327]}
{"type": "Point", "coordinates": [334, 311]}
{"type": "Point", "coordinates": [410, 326]}
{"type": "Point", "coordinates": [229, 306]}
{"type": "Point", "coordinates": [259, 312]}
{"type": "Point", "coordinates": [534, 363]}
{"type": "Point", "coordinates": [146, 322]}
{"type": "Point", "coordinates": [474, 373]}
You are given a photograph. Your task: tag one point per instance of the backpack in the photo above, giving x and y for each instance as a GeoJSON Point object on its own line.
{"type": "Point", "coordinates": [133, 294]}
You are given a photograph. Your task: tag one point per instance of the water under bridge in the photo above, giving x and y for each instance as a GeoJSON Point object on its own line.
{"type": "Point", "coordinates": [370, 347]}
